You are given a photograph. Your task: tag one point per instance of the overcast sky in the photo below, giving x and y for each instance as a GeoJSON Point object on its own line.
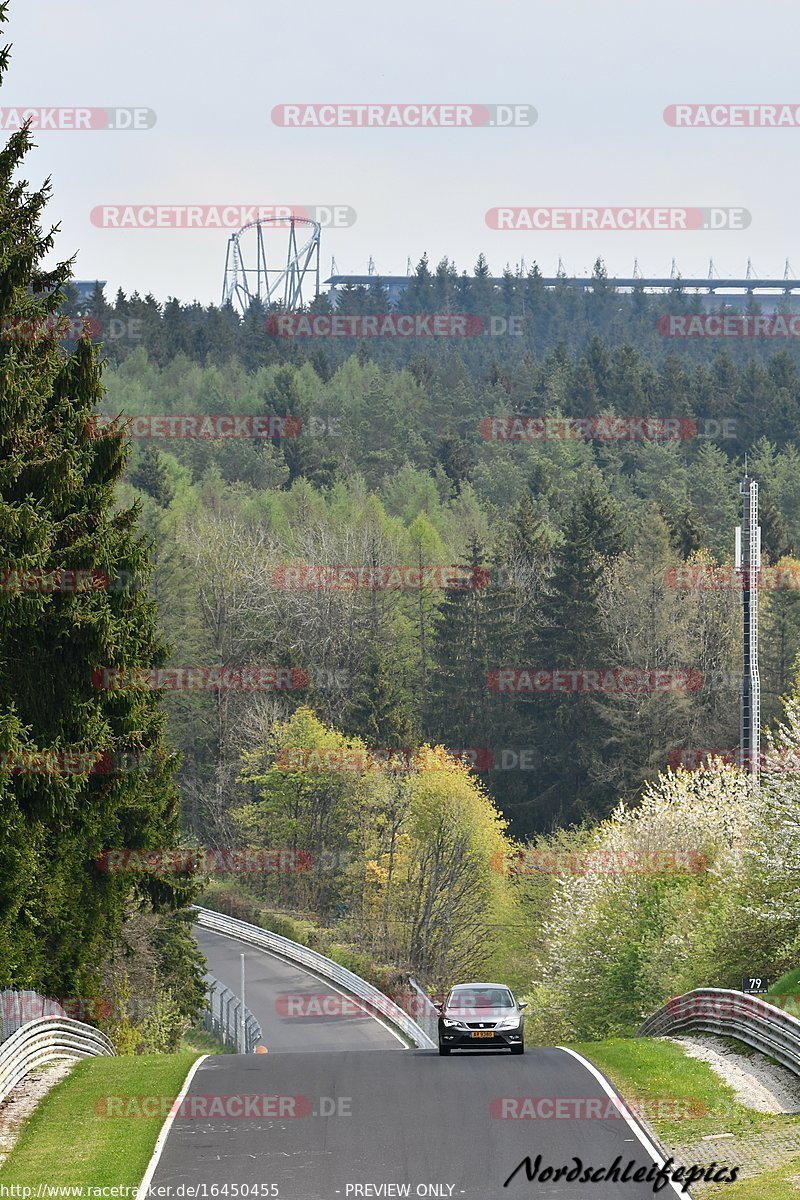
{"type": "Point", "coordinates": [599, 75]}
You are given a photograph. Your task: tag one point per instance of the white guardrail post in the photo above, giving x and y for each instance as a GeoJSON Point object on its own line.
{"type": "Point", "coordinates": [44, 1040]}
{"type": "Point", "coordinates": [375, 1001]}
{"type": "Point", "coordinates": [750, 1019]}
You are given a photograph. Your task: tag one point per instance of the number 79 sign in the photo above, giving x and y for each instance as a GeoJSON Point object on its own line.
{"type": "Point", "coordinates": [755, 983]}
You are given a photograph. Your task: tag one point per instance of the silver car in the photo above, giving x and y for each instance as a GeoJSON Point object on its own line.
{"type": "Point", "coordinates": [481, 1016]}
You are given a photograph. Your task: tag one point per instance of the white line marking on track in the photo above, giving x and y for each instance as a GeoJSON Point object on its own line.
{"type": "Point", "coordinates": [165, 1128]}
{"type": "Point", "coordinates": [656, 1154]}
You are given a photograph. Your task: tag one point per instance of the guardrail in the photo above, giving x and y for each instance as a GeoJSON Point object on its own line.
{"type": "Point", "coordinates": [376, 1002]}
{"type": "Point", "coordinates": [731, 1014]}
{"type": "Point", "coordinates": [41, 1041]}
{"type": "Point", "coordinates": [426, 1010]}
{"type": "Point", "coordinates": [223, 1018]}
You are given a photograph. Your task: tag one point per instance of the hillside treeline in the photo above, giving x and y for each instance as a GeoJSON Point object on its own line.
{"type": "Point", "coordinates": [507, 324]}
{"type": "Point", "coordinates": [575, 548]}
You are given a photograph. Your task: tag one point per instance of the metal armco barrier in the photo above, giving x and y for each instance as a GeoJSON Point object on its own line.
{"type": "Point", "coordinates": [376, 1002]}
{"type": "Point", "coordinates": [731, 1014]}
{"type": "Point", "coordinates": [42, 1041]}
{"type": "Point", "coordinates": [223, 1018]}
{"type": "Point", "coordinates": [426, 1010]}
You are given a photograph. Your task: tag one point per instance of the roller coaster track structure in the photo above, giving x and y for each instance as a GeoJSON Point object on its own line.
{"type": "Point", "coordinates": [249, 276]}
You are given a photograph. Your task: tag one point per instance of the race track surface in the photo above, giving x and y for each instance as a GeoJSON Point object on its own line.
{"type": "Point", "coordinates": [338, 1108]}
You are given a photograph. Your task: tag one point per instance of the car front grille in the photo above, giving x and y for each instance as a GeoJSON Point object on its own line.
{"type": "Point", "coordinates": [480, 1025]}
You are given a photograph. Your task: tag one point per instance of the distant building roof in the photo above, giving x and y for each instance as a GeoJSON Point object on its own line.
{"type": "Point", "coordinates": [85, 287]}
{"type": "Point", "coordinates": [586, 282]}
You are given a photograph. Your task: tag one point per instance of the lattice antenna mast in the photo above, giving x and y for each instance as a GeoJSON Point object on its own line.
{"type": "Point", "coordinates": [748, 564]}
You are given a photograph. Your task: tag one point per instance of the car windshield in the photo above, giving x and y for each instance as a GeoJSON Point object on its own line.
{"type": "Point", "coordinates": [480, 998]}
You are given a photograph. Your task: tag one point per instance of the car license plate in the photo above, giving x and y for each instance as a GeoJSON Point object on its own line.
{"type": "Point", "coordinates": [483, 1033]}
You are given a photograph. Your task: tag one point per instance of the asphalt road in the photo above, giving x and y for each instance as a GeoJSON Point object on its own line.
{"type": "Point", "coordinates": [295, 1010]}
{"type": "Point", "coordinates": [338, 1108]}
{"type": "Point", "coordinates": [408, 1118]}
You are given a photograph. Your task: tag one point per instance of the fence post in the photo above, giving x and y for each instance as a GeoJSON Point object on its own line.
{"type": "Point", "coordinates": [242, 1039]}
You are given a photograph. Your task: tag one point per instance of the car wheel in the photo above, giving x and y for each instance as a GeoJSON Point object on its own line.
{"type": "Point", "coordinates": [443, 1049]}
{"type": "Point", "coordinates": [520, 1049]}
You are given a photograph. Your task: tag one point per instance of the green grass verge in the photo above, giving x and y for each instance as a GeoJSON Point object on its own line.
{"type": "Point", "coordinates": [201, 1041]}
{"type": "Point", "coordinates": [646, 1070]}
{"type": "Point", "coordinates": [68, 1141]}
{"type": "Point", "coordinates": [786, 984]}
{"type": "Point", "coordinates": [772, 1185]}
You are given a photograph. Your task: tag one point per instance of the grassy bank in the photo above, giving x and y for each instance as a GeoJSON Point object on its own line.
{"type": "Point", "coordinates": [201, 1041]}
{"type": "Point", "coordinates": [648, 1072]}
{"type": "Point", "coordinates": [70, 1141]}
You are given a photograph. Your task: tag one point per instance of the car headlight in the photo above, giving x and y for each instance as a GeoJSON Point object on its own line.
{"type": "Point", "coordinates": [450, 1024]}
{"type": "Point", "coordinates": [509, 1023]}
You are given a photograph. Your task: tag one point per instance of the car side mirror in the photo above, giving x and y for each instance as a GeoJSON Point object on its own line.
{"type": "Point", "coordinates": [524, 1005]}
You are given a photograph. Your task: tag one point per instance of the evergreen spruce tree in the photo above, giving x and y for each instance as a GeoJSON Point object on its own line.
{"type": "Point", "coordinates": [59, 912]}
{"type": "Point", "coordinates": [150, 476]}
{"type": "Point", "coordinates": [520, 568]}
{"type": "Point", "coordinates": [381, 711]}
{"type": "Point", "coordinates": [573, 729]}
{"type": "Point", "coordinates": [98, 307]}
{"type": "Point", "coordinates": [468, 644]}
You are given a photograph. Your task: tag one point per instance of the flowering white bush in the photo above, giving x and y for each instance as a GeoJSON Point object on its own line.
{"type": "Point", "coordinates": [696, 886]}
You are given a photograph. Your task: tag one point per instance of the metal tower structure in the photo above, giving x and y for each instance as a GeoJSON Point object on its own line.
{"type": "Point", "coordinates": [248, 275]}
{"type": "Point", "coordinates": [748, 564]}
